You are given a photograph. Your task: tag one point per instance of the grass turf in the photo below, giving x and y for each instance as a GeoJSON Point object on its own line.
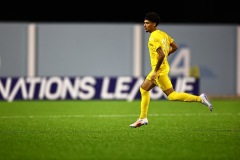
{"type": "Point", "coordinates": [68, 130]}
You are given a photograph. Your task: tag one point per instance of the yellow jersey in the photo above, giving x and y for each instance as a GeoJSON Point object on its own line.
{"type": "Point", "coordinates": [158, 39]}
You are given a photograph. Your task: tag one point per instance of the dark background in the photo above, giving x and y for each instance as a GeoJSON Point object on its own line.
{"type": "Point", "coordinates": [204, 11]}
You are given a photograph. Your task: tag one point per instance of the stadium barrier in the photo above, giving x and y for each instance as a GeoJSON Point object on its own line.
{"type": "Point", "coordinates": [85, 88]}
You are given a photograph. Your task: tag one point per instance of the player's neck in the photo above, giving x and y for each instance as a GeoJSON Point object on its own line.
{"type": "Point", "coordinates": [153, 30]}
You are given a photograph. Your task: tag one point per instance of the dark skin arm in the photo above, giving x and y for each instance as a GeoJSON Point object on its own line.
{"type": "Point", "coordinates": [174, 47]}
{"type": "Point", "coordinates": [161, 56]}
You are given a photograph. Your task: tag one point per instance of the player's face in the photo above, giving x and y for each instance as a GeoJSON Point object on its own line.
{"type": "Point", "coordinates": [149, 26]}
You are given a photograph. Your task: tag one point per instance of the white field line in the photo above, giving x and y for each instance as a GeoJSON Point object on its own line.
{"type": "Point", "coordinates": [120, 115]}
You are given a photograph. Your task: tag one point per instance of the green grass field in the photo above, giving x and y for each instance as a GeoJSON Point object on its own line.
{"type": "Point", "coordinates": [74, 130]}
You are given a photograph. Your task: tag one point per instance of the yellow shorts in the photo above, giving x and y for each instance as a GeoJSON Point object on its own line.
{"type": "Point", "coordinates": [162, 80]}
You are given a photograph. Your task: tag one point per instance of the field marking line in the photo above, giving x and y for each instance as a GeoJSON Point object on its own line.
{"type": "Point", "coordinates": [120, 115]}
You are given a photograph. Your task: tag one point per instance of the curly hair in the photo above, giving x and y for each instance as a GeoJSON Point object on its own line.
{"type": "Point", "coordinates": [153, 17]}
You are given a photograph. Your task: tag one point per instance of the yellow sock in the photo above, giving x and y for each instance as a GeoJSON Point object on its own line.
{"type": "Point", "coordinates": [145, 99]}
{"type": "Point", "coordinates": [186, 97]}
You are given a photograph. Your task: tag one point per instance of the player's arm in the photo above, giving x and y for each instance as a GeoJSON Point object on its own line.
{"type": "Point", "coordinates": [173, 48]}
{"type": "Point", "coordinates": [161, 56]}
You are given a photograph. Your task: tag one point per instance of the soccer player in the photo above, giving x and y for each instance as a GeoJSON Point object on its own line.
{"type": "Point", "coordinates": [160, 46]}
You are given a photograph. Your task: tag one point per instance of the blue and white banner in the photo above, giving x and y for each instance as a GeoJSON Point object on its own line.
{"type": "Point", "coordinates": [85, 88]}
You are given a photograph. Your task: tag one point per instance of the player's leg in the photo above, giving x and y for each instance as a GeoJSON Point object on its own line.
{"type": "Point", "coordinates": [146, 86]}
{"type": "Point", "coordinates": [181, 96]}
{"type": "Point", "coordinates": [186, 97]}
{"type": "Point", "coordinates": [165, 84]}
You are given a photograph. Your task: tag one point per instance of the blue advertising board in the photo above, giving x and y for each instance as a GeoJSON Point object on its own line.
{"type": "Point", "coordinates": [86, 88]}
